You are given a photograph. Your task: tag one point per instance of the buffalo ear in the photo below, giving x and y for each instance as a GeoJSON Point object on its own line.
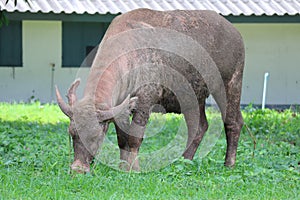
{"type": "Point", "coordinates": [133, 104]}
{"type": "Point", "coordinates": [72, 97]}
{"type": "Point", "coordinates": [125, 108]}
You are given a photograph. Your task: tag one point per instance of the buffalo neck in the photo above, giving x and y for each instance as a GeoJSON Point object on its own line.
{"type": "Point", "coordinates": [105, 86]}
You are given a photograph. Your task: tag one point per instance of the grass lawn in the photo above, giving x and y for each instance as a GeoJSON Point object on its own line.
{"type": "Point", "coordinates": [35, 158]}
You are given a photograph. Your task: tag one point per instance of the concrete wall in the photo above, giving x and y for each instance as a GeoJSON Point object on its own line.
{"type": "Point", "coordinates": [42, 48]}
{"type": "Point", "coordinates": [273, 48]}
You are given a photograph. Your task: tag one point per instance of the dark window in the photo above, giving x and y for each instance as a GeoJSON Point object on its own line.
{"type": "Point", "coordinates": [78, 40]}
{"type": "Point", "coordinates": [90, 53]}
{"type": "Point", "coordinates": [11, 44]}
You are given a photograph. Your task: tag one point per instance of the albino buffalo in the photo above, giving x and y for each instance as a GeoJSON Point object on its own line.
{"type": "Point", "coordinates": [172, 58]}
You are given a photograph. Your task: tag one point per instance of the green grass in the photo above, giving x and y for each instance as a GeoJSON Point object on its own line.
{"type": "Point", "coordinates": [34, 161]}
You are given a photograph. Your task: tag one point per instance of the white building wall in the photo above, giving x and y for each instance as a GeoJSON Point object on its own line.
{"type": "Point", "coordinates": [42, 47]}
{"type": "Point", "coordinates": [273, 48]}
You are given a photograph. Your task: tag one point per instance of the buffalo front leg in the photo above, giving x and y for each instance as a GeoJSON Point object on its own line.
{"type": "Point", "coordinates": [197, 126]}
{"type": "Point", "coordinates": [129, 140]}
{"type": "Point", "coordinates": [135, 138]}
{"type": "Point", "coordinates": [122, 135]}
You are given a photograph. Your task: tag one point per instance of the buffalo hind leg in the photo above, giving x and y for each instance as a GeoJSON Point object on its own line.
{"type": "Point", "coordinates": [233, 119]}
{"type": "Point", "coordinates": [196, 130]}
{"type": "Point", "coordinates": [233, 125]}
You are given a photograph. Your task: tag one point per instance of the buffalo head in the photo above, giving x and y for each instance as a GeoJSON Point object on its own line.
{"type": "Point", "coordinates": [89, 124]}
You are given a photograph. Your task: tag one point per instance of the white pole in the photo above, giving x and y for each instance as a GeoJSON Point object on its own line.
{"type": "Point", "coordinates": [265, 90]}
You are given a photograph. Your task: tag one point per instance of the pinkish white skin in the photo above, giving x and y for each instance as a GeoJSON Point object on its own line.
{"type": "Point", "coordinates": [80, 167]}
{"type": "Point", "coordinates": [223, 45]}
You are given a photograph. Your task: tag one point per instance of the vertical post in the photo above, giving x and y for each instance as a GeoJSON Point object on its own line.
{"type": "Point", "coordinates": [52, 65]}
{"type": "Point", "coordinates": [263, 104]}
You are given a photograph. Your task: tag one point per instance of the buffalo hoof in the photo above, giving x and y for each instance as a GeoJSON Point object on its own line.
{"type": "Point", "coordinates": [80, 167]}
{"type": "Point", "coordinates": [229, 163]}
{"type": "Point", "coordinates": [126, 167]}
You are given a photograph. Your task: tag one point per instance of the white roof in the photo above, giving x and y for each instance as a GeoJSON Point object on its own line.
{"type": "Point", "coordinates": [224, 7]}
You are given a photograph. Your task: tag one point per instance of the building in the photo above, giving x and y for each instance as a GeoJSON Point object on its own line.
{"type": "Point", "coordinates": [46, 42]}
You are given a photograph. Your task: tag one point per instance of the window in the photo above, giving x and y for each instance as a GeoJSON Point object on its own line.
{"type": "Point", "coordinates": [79, 39]}
{"type": "Point", "coordinates": [11, 44]}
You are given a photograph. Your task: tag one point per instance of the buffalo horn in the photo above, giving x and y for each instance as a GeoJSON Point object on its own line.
{"type": "Point", "coordinates": [65, 108]}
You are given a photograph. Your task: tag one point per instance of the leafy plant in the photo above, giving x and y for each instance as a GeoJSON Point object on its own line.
{"type": "Point", "coordinates": [35, 159]}
{"type": "Point", "coordinates": [3, 19]}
